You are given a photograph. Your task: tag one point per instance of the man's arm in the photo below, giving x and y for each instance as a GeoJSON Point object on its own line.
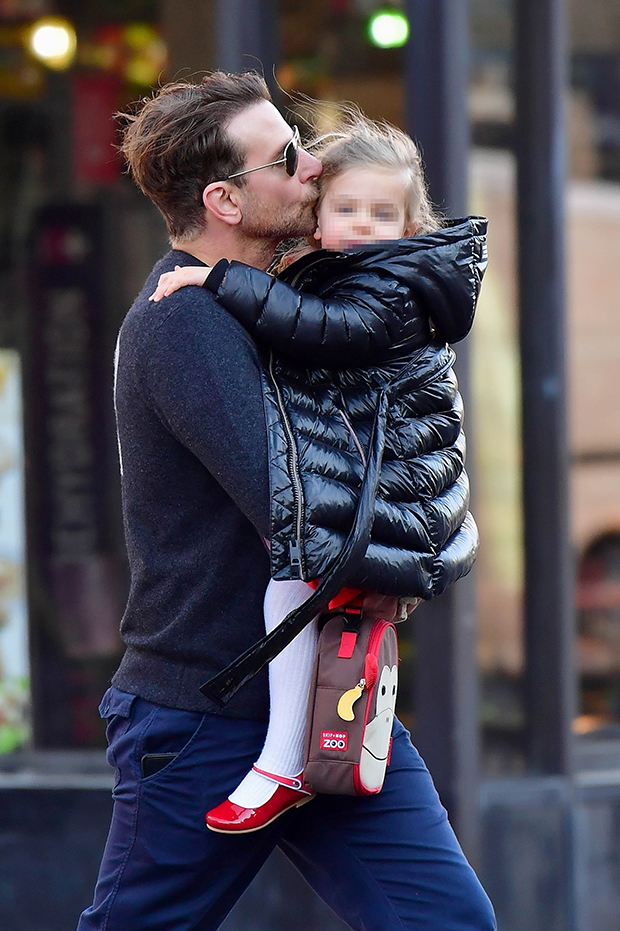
{"type": "Point", "coordinates": [202, 376]}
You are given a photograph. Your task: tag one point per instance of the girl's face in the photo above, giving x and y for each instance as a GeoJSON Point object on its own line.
{"type": "Point", "coordinates": [362, 206]}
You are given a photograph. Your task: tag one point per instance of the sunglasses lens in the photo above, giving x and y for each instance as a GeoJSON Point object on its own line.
{"type": "Point", "coordinates": [291, 155]}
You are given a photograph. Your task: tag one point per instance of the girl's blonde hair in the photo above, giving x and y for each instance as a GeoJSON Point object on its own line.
{"type": "Point", "coordinates": [359, 141]}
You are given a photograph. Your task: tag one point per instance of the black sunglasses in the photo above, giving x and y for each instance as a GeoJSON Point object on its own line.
{"type": "Point", "coordinates": [290, 158]}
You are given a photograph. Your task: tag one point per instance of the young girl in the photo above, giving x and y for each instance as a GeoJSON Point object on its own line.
{"type": "Point", "coordinates": [389, 301]}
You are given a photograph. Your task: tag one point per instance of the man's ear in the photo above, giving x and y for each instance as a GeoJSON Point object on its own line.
{"type": "Point", "coordinates": [222, 202]}
{"type": "Point", "coordinates": [317, 232]}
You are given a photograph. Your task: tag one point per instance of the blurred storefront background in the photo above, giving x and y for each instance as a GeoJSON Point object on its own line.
{"type": "Point", "coordinates": [14, 662]}
{"type": "Point", "coordinates": [77, 240]}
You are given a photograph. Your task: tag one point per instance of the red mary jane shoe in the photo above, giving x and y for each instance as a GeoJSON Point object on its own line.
{"type": "Point", "coordinates": [229, 818]}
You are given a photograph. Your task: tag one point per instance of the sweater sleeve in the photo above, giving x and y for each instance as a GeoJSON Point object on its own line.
{"type": "Point", "coordinates": [356, 322]}
{"type": "Point", "coordinates": [202, 377]}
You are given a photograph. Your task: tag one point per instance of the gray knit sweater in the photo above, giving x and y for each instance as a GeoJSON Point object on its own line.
{"type": "Point", "coordinates": [195, 497]}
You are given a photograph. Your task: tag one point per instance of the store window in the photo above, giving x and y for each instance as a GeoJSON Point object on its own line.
{"type": "Point", "coordinates": [593, 351]}
{"type": "Point", "coordinates": [598, 645]}
{"type": "Point", "coordinates": [76, 238]}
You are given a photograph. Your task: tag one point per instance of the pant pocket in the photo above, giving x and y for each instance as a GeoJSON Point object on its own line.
{"type": "Point", "coordinates": [169, 734]}
{"type": "Point", "coordinates": [116, 710]}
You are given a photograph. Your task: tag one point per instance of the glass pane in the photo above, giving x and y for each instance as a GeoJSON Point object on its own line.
{"type": "Point", "coordinates": [598, 603]}
{"type": "Point", "coordinates": [14, 662]}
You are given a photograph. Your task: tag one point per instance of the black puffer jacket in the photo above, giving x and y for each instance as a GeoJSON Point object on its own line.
{"type": "Point", "coordinates": [377, 321]}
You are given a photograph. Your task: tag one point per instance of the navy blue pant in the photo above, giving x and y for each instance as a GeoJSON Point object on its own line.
{"type": "Point", "coordinates": [163, 870]}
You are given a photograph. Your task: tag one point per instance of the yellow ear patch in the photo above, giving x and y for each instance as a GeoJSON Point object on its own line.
{"type": "Point", "coordinates": [346, 702]}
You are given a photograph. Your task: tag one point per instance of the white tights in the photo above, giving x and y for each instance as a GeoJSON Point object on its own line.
{"type": "Point", "coordinates": [289, 681]}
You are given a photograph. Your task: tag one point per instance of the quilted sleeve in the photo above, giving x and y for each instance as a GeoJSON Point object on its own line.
{"type": "Point", "coordinates": [355, 323]}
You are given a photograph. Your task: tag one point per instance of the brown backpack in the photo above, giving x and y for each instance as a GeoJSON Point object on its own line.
{"type": "Point", "coordinates": [351, 706]}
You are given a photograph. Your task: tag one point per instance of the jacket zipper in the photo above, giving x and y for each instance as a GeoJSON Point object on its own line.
{"type": "Point", "coordinates": [295, 547]}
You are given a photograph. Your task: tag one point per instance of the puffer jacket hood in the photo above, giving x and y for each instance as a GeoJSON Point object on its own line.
{"type": "Point", "coordinates": [364, 417]}
{"type": "Point", "coordinates": [442, 272]}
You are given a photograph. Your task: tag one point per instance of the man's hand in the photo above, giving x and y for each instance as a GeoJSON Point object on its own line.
{"type": "Point", "coordinates": [179, 278]}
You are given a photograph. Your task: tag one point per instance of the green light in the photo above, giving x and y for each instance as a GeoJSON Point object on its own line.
{"type": "Point", "coordinates": [388, 29]}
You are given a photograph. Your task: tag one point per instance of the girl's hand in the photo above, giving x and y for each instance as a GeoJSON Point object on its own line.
{"type": "Point", "coordinates": [179, 278]}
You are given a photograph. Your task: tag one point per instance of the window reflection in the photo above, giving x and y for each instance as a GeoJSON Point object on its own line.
{"type": "Point", "coordinates": [598, 605]}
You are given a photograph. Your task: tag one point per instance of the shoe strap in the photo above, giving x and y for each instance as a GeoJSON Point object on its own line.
{"type": "Point", "coordinates": [289, 782]}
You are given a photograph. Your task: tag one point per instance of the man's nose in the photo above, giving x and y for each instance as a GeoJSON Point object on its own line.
{"type": "Point", "coordinates": [309, 166]}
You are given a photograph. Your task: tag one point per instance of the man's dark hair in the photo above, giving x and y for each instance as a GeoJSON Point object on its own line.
{"type": "Point", "coordinates": [176, 144]}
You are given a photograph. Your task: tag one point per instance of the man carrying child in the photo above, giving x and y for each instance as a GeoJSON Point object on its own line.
{"type": "Point", "coordinates": [232, 182]}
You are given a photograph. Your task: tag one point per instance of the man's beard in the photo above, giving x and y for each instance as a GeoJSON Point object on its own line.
{"type": "Point", "coordinates": [261, 222]}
